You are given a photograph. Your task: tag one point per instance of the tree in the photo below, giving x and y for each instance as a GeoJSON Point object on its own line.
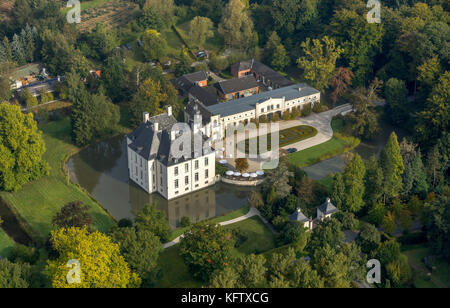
{"type": "Point", "coordinates": [434, 119]}
{"type": "Point", "coordinates": [165, 8]}
{"type": "Point", "coordinates": [140, 248]}
{"type": "Point", "coordinates": [354, 185]}
{"type": "Point", "coordinates": [295, 233]}
{"type": "Point", "coordinates": [360, 41]}
{"type": "Point", "coordinates": [319, 61]}
{"type": "Point", "coordinates": [21, 149]}
{"type": "Point", "coordinates": [389, 224]}
{"type": "Point", "coordinates": [368, 238]}
{"type": "Point", "coordinates": [14, 275]}
{"type": "Point", "coordinates": [28, 99]}
{"type": "Point", "coordinates": [236, 26]}
{"type": "Point", "coordinates": [338, 194]}
{"type": "Point", "coordinates": [153, 220]}
{"type": "Point", "coordinates": [373, 181]}
{"type": "Point", "coordinates": [241, 164]}
{"type": "Point", "coordinates": [271, 46]}
{"type": "Point", "coordinates": [364, 117]}
{"type": "Point", "coordinates": [279, 179]}
{"type": "Point", "coordinates": [304, 189]}
{"type": "Point", "coordinates": [6, 69]}
{"type": "Point", "coordinates": [73, 214]}
{"type": "Point", "coordinates": [436, 217]}
{"type": "Point", "coordinates": [340, 82]}
{"type": "Point", "coordinates": [93, 117]}
{"type": "Point", "coordinates": [205, 249]}
{"type": "Point", "coordinates": [154, 45]}
{"type": "Point", "coordinates": [149, 98]}
{"type": "Point", "coordinates": [392, 164]}
{"type": "Point", "coordinates": [328, 233]}
{"type": "Point", "coordinates": [200, 29]}
{"type": "Point", "coordinates": [114, 77]}
{"type": "Point", "coordinates": [280, 58]}
{"type": "Point", "coordinates": [396, 98]}
{"type": "Point", "coordinates": [101, 264]}
{"type": "Point", "coordinates": [332, 266]}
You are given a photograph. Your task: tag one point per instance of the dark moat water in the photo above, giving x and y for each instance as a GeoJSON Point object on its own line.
{"type": "Point", "coordinates": [103, 171]}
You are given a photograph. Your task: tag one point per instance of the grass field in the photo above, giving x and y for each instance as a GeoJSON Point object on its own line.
{"type": "Point", "coordinates": [39, 201]}
{"type": "Point", "coordinates": [258, 236]}
{"type": "Point", "coordinates": [287, 137]}
{"type": "Point", "coordinates": [175, 272]}
{"type": "Point", "coordinates": [5, 243]}
{"type": "Point", "coordinates": [337, 145]}
{"type": "Point", "coordinates": [439, 278]}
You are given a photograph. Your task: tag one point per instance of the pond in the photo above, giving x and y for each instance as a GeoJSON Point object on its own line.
{"type": "Point", "coordinates": [365, 149]}
{"type": "Point", "coordinates": [102, 169]}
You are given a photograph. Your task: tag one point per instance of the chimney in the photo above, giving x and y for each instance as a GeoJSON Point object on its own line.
{"type": "Point", "coordinates": [146, 117]}
{"type": "Point", "coordinates": [300, 89]}
{"type": "Point", "coordinates": [156, 126]}
{"type": "Point", "coordinates": [298, 210]}
{"type": "Point", "coordinates": [169, 110]}
{"type": "Point", "coordinates": [328, 200]}
{"type": "Point", "coordinates": [172, 135]}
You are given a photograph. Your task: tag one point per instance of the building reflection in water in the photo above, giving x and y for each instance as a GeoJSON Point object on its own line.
{"type": "Point", "coordinates": [197, 206]}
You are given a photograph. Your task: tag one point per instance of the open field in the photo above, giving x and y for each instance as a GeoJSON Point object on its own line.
{"type": "Point", "coordinates": [214, 43]}
{"type": "Point", "coordinates": [337, 145]}
{"type": "Point", "coordinates": [39, 201]}
{"type": "Point", "coordinates": [439, 278]}
{"type": "Point", "coordinates": [5, 243]}
{"type": "Point", "coordinates": [5, 8]}
{"type": "Point", "coordinates": [175, 272]}
{"type": "Point", "coordinates": [111, 13]}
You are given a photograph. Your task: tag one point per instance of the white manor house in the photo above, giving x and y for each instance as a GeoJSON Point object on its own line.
{"type": "Point", "coordinates": [217, 117]}
{"type": "Point", "coordinates": [152, 166]}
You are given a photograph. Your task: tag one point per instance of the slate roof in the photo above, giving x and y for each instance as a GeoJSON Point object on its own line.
{"type": "Point", "coordinates": [270, 74]}
{"type": "Point", "coordinates": [249, 103]}
{"type": "Point", "coordinates": [298, 216]}
{"type": "Point", "coordinates": [196, 77]}
{"type": "Point", "coordinates": [204, 95]}
{"type": "Point", "coordinates": [237, 84]}
{"type": "Point", "coordinates": [263, 70]}
{"type": "Point", "coordinates": [243, 65]}
{"type": "Point", "coordinates": [152, 144]}
{"type": "Point", "coordinates": [328, 208]}
{"type": "Point", "coordinates": [186, 82]}
{"type": "Point", "coordinates": [195, 107]}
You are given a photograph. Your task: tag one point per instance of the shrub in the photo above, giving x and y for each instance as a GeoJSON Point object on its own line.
{"type": "Point", "coordinates": [306, 110]}
{"type": "Point", "coordinates": [185, 222]}
{"type": "Point", "coordinates": [23, 254]}
{"type": "Point", "coordinates": [125, 223]}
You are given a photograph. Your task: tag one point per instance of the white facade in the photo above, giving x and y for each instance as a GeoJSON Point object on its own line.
{"type": "Point", "coordinates": [171, 180]}
{"type": "Point", "coordinates": [216, 127]}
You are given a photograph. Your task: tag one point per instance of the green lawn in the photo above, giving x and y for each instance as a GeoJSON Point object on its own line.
{"type": "Point", "coordinates": [175, 272]}
{"type": "Point", "coordinates": [287, 136]}
{"type": "Point", "coordinates": [258, 237]}
{"type": "Point", "coordinates": [6, 243]}
{"type": "Point", "coordinates": [39, 201]}
{"type": "Point", "coordinates": [337, 145]}
{"type": "Point", "coordinates": [440, 278]}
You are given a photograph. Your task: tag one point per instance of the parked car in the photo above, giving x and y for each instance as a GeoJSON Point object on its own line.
{"type": "Point", "coordinates": [292, 150]}
{"type": "Point", "coordinates": [201, 54]}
